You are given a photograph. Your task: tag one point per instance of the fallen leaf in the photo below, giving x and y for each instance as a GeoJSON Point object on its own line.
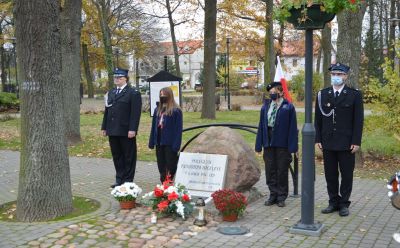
{"type": "Point", "coordinates": [362, 230]}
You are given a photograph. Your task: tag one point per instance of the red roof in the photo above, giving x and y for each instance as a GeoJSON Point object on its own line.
{"type": "Point", "coordinates": [184, 47]}
{"type": "Point", "coordinates": [297, 48]}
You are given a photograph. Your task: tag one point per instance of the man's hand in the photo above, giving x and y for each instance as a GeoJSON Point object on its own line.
{"type": "Point", "coordinates": [131, 134]}
{"type": "Point", "coordinates": [354, 148]}
{"type": "Point", "coordinates": [319, 145]}
{"type": "Point", "coordinates": [104, 132]}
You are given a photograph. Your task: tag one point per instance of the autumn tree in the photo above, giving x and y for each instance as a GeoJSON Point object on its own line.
{"type": "Point", "coordinates": [326, 46]}
{"type": "Point", "coordinates": [5, 24]}
{"type": "Point", "coordinates": [269, 60]}
{"type": "Point", "coordinates": [349, 41]}
{"type": "Point", "coordinates": [44, 190]}
{"type": "Point", "coordinates": [210, 43]}
{"type": "Point", "coordinates": [71, 69]}
{"type": "Point", "coordinates": [123, 26]}
{"type": "Point", "coordinates": [176, 12]}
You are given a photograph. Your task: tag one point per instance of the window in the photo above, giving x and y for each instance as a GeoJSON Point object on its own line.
{"type": "Point", "coordinates": [294, 62]}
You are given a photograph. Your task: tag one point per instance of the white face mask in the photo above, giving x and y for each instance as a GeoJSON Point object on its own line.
{"type": "Point", "coordinates": [336, 80]}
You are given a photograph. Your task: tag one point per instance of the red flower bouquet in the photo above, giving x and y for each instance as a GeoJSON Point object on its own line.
{"type": "Point", "coordinates": [167, 199]}
{"type": "Point", "coordinates": [229, 202]}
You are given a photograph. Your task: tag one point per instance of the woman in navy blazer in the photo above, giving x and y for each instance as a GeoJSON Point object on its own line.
{"type": "Point", "coordinates": [277, 134]}
{"type": "Point", "coordinates": [166, 133]}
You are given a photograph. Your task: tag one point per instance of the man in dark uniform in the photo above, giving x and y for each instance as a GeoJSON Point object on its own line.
{"type": "Point", "coordinates": [120, 124]}
{"type": "Point", "coordinates": [339, 117]}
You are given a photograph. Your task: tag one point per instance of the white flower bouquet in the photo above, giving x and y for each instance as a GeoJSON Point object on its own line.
{"type": "Point", "coordinates": [126, 192]}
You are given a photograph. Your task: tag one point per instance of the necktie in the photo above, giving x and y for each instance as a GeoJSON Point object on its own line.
{"type": "Point", "coordinates": [336, 94]}
{"type": "Point", "coordinates": [118, 90]}
{"type": "Point", "coordinates": [272, 117]}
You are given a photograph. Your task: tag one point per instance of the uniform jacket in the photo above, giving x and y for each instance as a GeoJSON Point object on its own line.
{"type": "Point", "coordinates": [343, 129]}
{"type": "Point", "coordinates": [171, 133]}
{"type": "Point", "coordinates": [284, 133]}
{"type": "Point", "coordinates": [124, 114]}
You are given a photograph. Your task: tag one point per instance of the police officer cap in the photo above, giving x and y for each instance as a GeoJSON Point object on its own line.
{"type": "Point", "coordinates": [339, 67]}
{"type": "Point", "coordinates": [272, 85]}
{"type": "Point", "coordinates": [119, 72]}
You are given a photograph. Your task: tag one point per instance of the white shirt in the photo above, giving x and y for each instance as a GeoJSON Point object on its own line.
{"type": "Point", "coordinates": [121, 88]}
{"type": "Point", "coordinates": [340, 90]}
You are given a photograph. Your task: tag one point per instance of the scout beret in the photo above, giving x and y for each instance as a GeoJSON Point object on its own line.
{"type": "Point", "coordinates": [272, 85]}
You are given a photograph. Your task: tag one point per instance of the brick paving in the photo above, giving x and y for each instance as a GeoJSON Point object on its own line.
{"type": "Point", "coordinates": [371, 223]}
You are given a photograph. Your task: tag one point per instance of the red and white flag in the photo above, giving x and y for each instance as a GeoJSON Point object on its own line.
{"type": "Point", "coordinates": [279, 77]}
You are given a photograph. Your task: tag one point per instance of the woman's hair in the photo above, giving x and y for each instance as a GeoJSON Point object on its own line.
{"type": "Point", "coordinates": [170, 104]}
{"type": "Point", "coordinates": [279, 88]}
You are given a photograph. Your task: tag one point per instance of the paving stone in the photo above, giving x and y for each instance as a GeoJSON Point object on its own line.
{"type": "Point", "coordinates": [56, 235]}
{"type": "Point", "coordinates": [146, 236]}
{"type": "Point", "coordinates": [89, 242]}
{"type": "Point", "coordinates": [34, 243]}
{"type": "Point", "coordinates": [122, 237]}
{"type": "Point", "coordinates": [92, 231]}
{"type": "Point", "coordinates": [62, 242]}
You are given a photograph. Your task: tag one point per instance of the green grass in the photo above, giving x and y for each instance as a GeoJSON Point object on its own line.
{"type": "Point", "coordinates": [375, 138]}
{"type": "Point", "coordinates": [81, 206]}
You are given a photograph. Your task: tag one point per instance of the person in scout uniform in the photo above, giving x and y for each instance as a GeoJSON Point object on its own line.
{"type": "Point", "coordinates": [277, 134]}
{"type": "Point", "coordinates": [123, 106]}
{"type": "Point", "coordinates": [339, 117]}
{"type": "Point", "coordinates": [166, 133]}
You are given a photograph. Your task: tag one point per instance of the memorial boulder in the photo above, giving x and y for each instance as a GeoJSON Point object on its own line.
{"type": "Point", "coordinates": [243, 170]}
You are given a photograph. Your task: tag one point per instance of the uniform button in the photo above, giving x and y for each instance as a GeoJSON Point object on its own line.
{"type": "Point", "coordinates": [334, 129]}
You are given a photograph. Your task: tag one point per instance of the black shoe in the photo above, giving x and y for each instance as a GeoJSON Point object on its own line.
{"type": "Point", "coordinates": [344, 211]}
{"type": "Point", "coordinates": [114, 185]}
{"type": "Point", "coordinates": [329, 209]}
{"type": "Point", "coordinates": [270, 202]}
{"type": "Point", "coordinates": [281, 204]}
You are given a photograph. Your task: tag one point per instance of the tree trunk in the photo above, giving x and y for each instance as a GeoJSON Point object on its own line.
{"type": "Point", "coordinates": [269, 59]}
{"type": "Point", "coordinates": [173, 37]}
{"type": "Point", "coordinates": [326, 45]}
{"type": "Point", "coordinates": [349, 48]}
{"type": "Point", "coordinates": [3, 68]}
{"type": "Point", "coordinates": [280, 39]}
{"type": "Point", "coordinates": [44, 190]}
{"type": "Point", "coordinates": [88, 73]}
{"type": "Point", "coordinates": [319, 58]}
{"type": "Point", "coordinates": [392, 32]}
{"type": "Point", "coordinates": [103, 11]}
{"type": "Point", "coordinates": [349, 41]}
{"type": "Point", "coordinates": [71, 68]}
{"type": "Point", "coordinates": [210, 44]}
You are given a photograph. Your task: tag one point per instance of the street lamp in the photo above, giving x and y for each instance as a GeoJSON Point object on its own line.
{"type": "Point", "coordinates": [307, 225]}
{"type": "Point", "coordinates": [227, 66]}
{"type": "Point", "coordinates": [225, 76]}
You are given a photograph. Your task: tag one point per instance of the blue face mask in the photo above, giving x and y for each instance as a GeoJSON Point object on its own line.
{"type": "Point", "coordinates": [274, 96]}
{"type": "Point", "coordinates": [336, 80]}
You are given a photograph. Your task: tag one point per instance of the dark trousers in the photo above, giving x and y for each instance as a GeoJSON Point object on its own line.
{"type": "Point", "coordinates": [123, 151]}
{"type": "Point", "coordinates": [277, 161]}
{"type": "Point", "coordinates": [167, 161]}
{"type": "Point", "coordinates": [335, 161]}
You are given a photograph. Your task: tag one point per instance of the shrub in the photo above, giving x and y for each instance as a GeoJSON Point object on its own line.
{"type": "Point", "coordinates": [298, 82]}
{"type": "Point", "coordinates": [8, 101]}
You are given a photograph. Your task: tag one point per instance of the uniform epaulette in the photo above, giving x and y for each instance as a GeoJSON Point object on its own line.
{"type": "Point", "coordinates": [351, 88]}
{"type": "Point", "coordinates": [327, 88]}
